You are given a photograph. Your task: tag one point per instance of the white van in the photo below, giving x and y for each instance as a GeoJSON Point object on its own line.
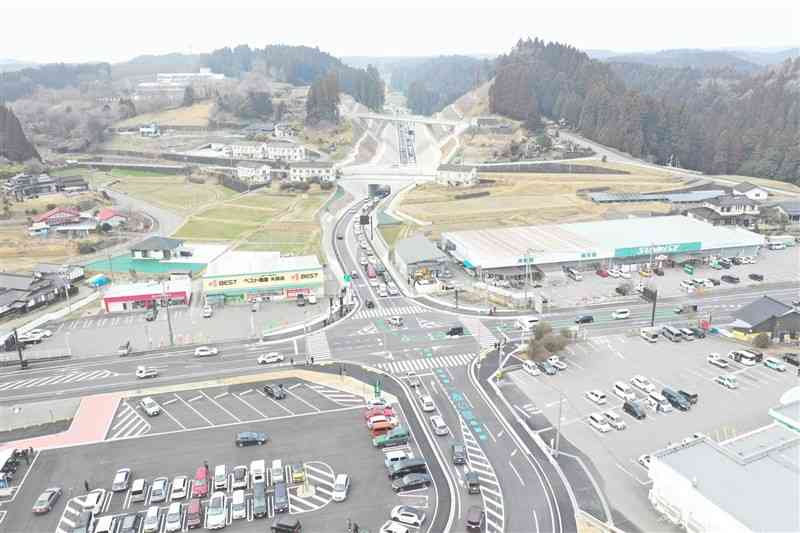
{"type": "Point", "coordinates": [623, 391]}
{"type": "Point", "coordinates": [394, 456]}
{"type": "Point", "coordinates": [276, 472]}
{"type": "Point", "coordinates": [531, 368]}
{"type": "Point", "coordinates": [574, 274]}
{"type": "Point", "coordinates": [238, 506]}
{"type": "Point", "coordinates": [526, 323]}
{"type": "Point", "coordinates": [658, 403]}
{"type": "Point", "coordinates": [220, 477]}
{"type": "Point", "coordinates": [258, 470]}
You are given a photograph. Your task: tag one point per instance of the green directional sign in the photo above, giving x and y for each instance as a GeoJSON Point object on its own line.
{"type": "Point", "coordinates": [689, 269]}
{"type": "Point", "coordinates": [348, 278]}
{"type": "Point", "coordinates": [377, 388]}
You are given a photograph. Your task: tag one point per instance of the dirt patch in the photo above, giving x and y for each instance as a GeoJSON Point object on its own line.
{"type": "Point", "coordinates": [195, 115]}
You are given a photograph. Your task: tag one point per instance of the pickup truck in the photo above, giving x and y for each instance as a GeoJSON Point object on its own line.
{"type": "Point", "coordinates": [690, 397]}
{"type": "Point", "coordinates": [686, 308]}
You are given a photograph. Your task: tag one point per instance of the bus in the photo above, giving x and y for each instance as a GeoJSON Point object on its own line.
{"type": "Point", "coordinates": [371, 274]}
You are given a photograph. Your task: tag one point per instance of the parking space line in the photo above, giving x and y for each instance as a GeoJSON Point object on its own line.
{"type": "Point", "coordinates": [221, 407]}
{"type": "Point", "coordinates": [198, 413]}
{"type": "Point", "coordinates": [221, 395]}
{"type": "Point", "coordinates": [172, 417]}
{"type": "Point", "coordinates": [196, 398]}
{"type": "Point", "coordinates": [248, 404]}
{"type": "Point", "coordinates": [278, 404]}
{"type": "Point", "coordinates": [302, 400]}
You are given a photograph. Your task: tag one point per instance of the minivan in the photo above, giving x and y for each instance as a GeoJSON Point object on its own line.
{"type": "Point", "coordinates": [276, 472]}
{"type": "Point", "coordinates": [408, 466]}
{"type": "Point", "coordinates": [395, 456]}
{"type": "Point", "coordinates": [281, 498]}
{"type": "Point", "coordinates": [259, 499]}
{"type": "Point", "coordinates": [238, 506]}
{"type": "Point", "coordinates": [623, 391]}
{"type": "Point", "coordinates": [634, 409]}
{"type": "Point", "coordinates": [258, 469]}
{"type": "Point", "coordinates": [687, 334]}
{"type": "Point", "coordinates": [671, 333]}
{"type": "Point", "coordinates": [678, 401]}
{"type": "Point", "coordinates": [138, 490]}
{"type": "Point", "coordinates": [194, 514]}
{"type": "Point", "coordinates": [658, 402]}
{"type": "Point", "coordinates": [220, 477]}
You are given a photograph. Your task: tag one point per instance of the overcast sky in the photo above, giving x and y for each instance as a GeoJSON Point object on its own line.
{"type": "Point", "coordinates": [90, 30]}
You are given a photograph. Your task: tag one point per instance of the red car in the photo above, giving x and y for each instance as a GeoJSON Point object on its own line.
{"type": "Point", "coordinates": [45, 502]}
{"type": "Point", "coordinates": [200, 485]}
{"type": "Point", "coordinates": [602, 273]}
{"type": "Point", "coordinates": [375, 411]}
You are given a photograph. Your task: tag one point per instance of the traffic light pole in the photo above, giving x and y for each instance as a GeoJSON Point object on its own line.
{"type": "Point", "coordinates": [653, 312]}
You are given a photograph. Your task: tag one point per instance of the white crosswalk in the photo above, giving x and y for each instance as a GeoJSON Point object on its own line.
{"type": "Point", "coordinates": [491, 492]}
{"type": "Point", "coordinates": [317, 345]}
{"type": "Point", "coordinates": [479, 331]}
{"type": "Point", "coordinates": [390, 311]}
{"type": "Point", "coordinates": [336, 395]}
{"type": "Point", "coordinates": [401, 367]}
{"type": "Point", "coordinates": [72, 376]}
{"type": "Point", "coordinates": [127, 423]}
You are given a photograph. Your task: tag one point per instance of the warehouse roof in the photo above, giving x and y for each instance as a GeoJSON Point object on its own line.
{"type": "Point", "coordinates": [148, 287]}
{"type": "Point", "coordinates": [418, 249]}
{"type": "Point", "coordinates": [790, 207]}
{"type": "Point", "coordinates": [755, 477]}
{"type": "Point", "coordinates": [745, 186]}
{"type": "Point", "coordinates": [672, 197]}
{"type": "Point", "coordinates": [235, 263]}
{"type": "Point", "coordinates": [496, 248]}
{"type": "Point", "coordinates": [157, 242]}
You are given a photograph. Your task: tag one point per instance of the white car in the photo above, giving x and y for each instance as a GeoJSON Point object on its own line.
{"type": "Point", "coordinates": [174, 520]}
{"type": "Point", "coordinates": [150, 406]}
{"type": "Point", "coordinates": [383, 292]}
{"type": "Point", "coordinates": [596, 396]}
{"type": "Point", "coordinates": [405, 514]}
{"type": "Point", "coordinates": [620, 314]}
{"type": "Point", "coordinates": [393, 290]}
{"type": "Point", "coordinates": [180, 487]}
{"type": "Point", "coordinates": [94, 501]}
{"type": "Point", "coordinates": [643, 384]}
{"type": "Point", "coordinates": [557, 362]}
{"type": "Point", "coordinates": [341, 485]}
{"type": "Point", "coordinates": [438, 425]}
{"type": "Point", "coordinates": [598, 422]}
{"type": "Point", "coordinates": [625, 275]}
{"type": "Point", "coordinates": [363, 260]}
{"type": "Point", "coordinates": [377, 419]}
{"type": "Point", "coordinates": [644, 460]}
{"type": "Point", "coordinates": [729, 382]}
{"type": "Point", "coordinates": [623, 391]}
{"type": "Point", "coordinates": [272, 357]}
{"type": "Point", "coordinates": [374, 282]}
{"type": "Point", "coordinates": [44, 333]}
{"type": "Point", "coordinates": [531, 368]}
{"type": "Point", "coordinates": [393, 527]}
{"type": "Point", "coordinates": [143, 372]}
{"type": "Point", "coordinates": [204, 351]}
{"type": "Point", "coordinates": [717, 360]}
{"type": "Point", "coordinates": [687, 284]}
{"type": "Point", "coordinates": [377, 402]}
{"type": "Point", "coordinates": [427, 403]}
{"type": "Point", "coordinates": [208, 311]}
{"type": "Point", "coordinates": [239, 477]}
{"type": "Point", "coordinates": [614, 273]}
{"type": "Point", "coordinates": [215, 511]}
{"type": "Point", "coordinates": [152, 520]}
{"type": "Point", "coordinates": [614, 420]}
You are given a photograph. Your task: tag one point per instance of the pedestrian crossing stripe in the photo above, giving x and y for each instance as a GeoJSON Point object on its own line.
{"type": "Point", "coordinates": [317, 345]}
{"type": "Point", "coordinates": [398, 367]}
{"type": "Point", "coordinates": [391, 311]}
{"type": "Point", "coordinates": [479, 331]}
{"type": "Point", "coordinates": [67, 377]}
{"type": "Point", "coordinates": [128, 423]}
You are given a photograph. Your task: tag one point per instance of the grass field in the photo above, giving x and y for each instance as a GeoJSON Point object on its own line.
{"type": "Point", "coordinates": [526, 199]}
{"type": "Point", "coordinates": [762, 182]}
{"type": "Point", "coordinates": [391, 233]}
{"type": "Point", "coordinates": [213, 230]}
{"type": "Point", "coordinates": [20, 252]}
{"type": "Point", "coordinates": [196, 115]}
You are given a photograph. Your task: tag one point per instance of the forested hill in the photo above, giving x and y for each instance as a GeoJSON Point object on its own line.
{"type": "Point", "coordinates": [749, 125]}
{"type": "Point", "coordinates": [300, 65]}
{"type": "Point", "coordinates": [14, 146]}
{"type": "Point", "coordinates": [21, 83]}
{"type": "Point", "coordinates": [699, 59]}
{"type": "Point", "coordinates": [432, 84]}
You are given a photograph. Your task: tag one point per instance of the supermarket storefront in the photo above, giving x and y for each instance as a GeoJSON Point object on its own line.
{"type": "Point", "coordinates": [284, 278]}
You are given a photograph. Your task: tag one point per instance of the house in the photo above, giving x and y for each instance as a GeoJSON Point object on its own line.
{"type": "Point", "coordinates": [72, 273]}
{"type": "Point", "coordinates": [456, 175]}
{"type": "Point", "coordinates": [754, 192]}
{"type": "Point", "coordinates": [20, 293]}
{"type": "Point", "coordinates": [150, 131]}
{"type": "Point", "coordinates": [729, 210]}
{"type": "Point", "coordinates": [768, 315]}
{"type": "Point", "coordinates": [254, 174]}
{"type": "Point", "coordinates": [305, 171]}
{"type": "Point", "coordinates": [110, 216]}
{"type": "Point", "coordinates": [157, 247]}
{"type": "Point", "coordinates": [72, 184]}
{"type": "Point", "coordinates": [24, 186]}
{"type": "Point", "coordinates": [59, 216]}
{"type": "Point", "coordinates": [275, 151]}
{"type": "Point", "coordinates": [790, 208]}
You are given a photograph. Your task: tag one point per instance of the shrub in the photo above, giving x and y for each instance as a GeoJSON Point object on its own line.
{"type": "Point", "coordinates": [554, 343]}
{"type": "Point", "coordinates": [541, 329]}
{"type": "Point", "coordinates": [51, 207]}
{"type": "Point", "coordinates": [761, 341]}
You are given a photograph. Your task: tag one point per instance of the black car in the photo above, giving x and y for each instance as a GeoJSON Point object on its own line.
{"type": "Point", "coordinates": [411, 482]}
{"type": "Point", "coordinates": [584, 319]}
{"type": "Point", "coordinates": [658, 271]}
{"type": "Point", "coordinates": [714, 281]}
{"type": "Point", "coordinates": [730, 279]}
{"type": "Point", "coordinates": [286, 525]}
{"type": "Point", "coordinates": [547, 368]}
{"type": "Point", "coordinates": [676, 400]}
{"type": "Point", "coordinates": [691, 397]}
{"type": "Point", "coordinates": [275, 392]}
{"type": "Point", "coordinates": [792, 358]}
{"type": "Point", "coordinates": [400, 469]}
{"type": "Point", "coordinates": [736, 260]}
{"type": "Point", "coordinates": [756, 277]}
{"type": "Point", "coordinates": [475, 516]}
{"type": "Point", "coordinates": [251, 438]}
{"type": "Point", "coordinates": [634, 409]}
{"type": "Point", "coordinates": [698, 333]}
{"type": "Point", "coordinates": [458, 453]}
{"type": "Point", "coordinates": [455, 331]}
{"type": "Point", "coordinates": [370, 304]}
{"type": "Point", "coordinates": [725, 263]}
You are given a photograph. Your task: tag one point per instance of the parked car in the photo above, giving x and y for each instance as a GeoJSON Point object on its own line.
{"type": "Point", "coordinates": [675, 399]}
{"type": "Point", "coordinates": [547, 368]}
{"type": "Point", "coordinates": [405, 514]}
{"type": "Point", "coordinates": [341, 486]}
{"type": "Point", "coordinates": [598, 422]}
{"type": "Point", "coordinates": [691, 397]}
{"type": "Point", "coordinates": [531, 368]}
{"type": "Point", "coordinates": [614, 420]}
{"type": "Point", "coordinates": [727, 381]}
{"type": "Point", "coordinates": [180, 487]}
{"type": "Point", "coordinates": [699, 333]}
{"type": "Point", "coordinates": [602, 273]}
{"type": "Point", "coordinates": [596, 396]}
{"type": "Point", "coordinates": [644, 460]}
{"type": "Point", "coordinates": [390, 526]}
{"type": "Point", "coordinates": [773, 363]}
{"type": "Point", "coordinates": [121, 480]}
{"type": "Point", "coordinates": [642, 383]}
{"type": "Point", "coordinates": [251, 438]}
{"type": "Point", "coordinates": [756, 277]}
{"type": "Point", "coordinates": [714, 281]}
{"type": "Point", "coordinates": [275, 392]}
{"type": "Point", "coordinates": [791, 358]}
{"type": "Point", "coordinates": [717, 360]}
{"type": "Point", "coordinates": [730, 279]}
{"type": "Point", "coordinates": [215, 511]}
{"type": "Point", "coordinates": [150, 406]}
{"type": "Point", "coordinates": [174, 520]}
{"type": "Point", "coordinates": [557, 362]}
{"type": "Point", "coordinates": [621, 314]}
{"type": "Point", "coordinates": [411, 482]}
{"type": "Point", "coordinates": [239, 477]}
{"type": "Point", "coordinates": [46, 500]}
{"type": "Point", "coordinates": [208, 311]}
{"type": "Point", "coordinates": [635, 409]}
{"type": "Point", "coordinates": [158, 490]}
{"type": "Point", "coordinates": [623, 391]}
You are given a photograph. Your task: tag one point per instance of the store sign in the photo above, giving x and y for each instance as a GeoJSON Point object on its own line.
{"type": "Point", "coordinates": [661, 249]}
{"type": "Point", "coordinates": [263, 281]}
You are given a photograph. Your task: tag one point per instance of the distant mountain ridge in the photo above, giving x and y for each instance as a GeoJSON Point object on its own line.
{"type": "Point", "coordinates": [692, 58]}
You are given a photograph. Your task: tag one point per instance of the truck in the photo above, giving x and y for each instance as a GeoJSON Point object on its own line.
{"type": "Point", "coordinates": [686, 308]}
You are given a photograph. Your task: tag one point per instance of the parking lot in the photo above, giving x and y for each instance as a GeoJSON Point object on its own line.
{"type": "Point", "coordinates": [720, 413]}
{"type": "Point", "coordinates": [321, 434]}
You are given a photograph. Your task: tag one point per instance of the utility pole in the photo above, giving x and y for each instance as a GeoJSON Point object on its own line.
{"type": "Point", "coordinates": [558, 428]}
{"type": "Point", "coordinates": [653, 312]}
{"type": "Point", "coordinates": [165, 299]}
{"type": "Point", "coordinates": [22, 362]}
{"type": "Point", "coordinates": [456, 293]}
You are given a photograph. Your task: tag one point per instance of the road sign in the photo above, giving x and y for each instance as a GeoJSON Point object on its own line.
{"type": "Point", "coordinates": [378, 388]}
{"type": "Point", "coordinates": [689, 269]}
{"type": "Point", "coordinates": [348, 278]}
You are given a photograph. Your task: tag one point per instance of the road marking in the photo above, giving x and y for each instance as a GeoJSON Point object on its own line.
{"type": "Point", "coordinates": [221, 395]}
{"type": "Point", "coordinates": [290, 387]}
{"type": "Point", "coordinates": [169, 415]}
{"type": "Point", "coordinates": [302, 400]}
{"type": "Point", "coordinates": [517, 473]}
{"type": "Point", "coordinates": [198, 413]}
{"type": "Point", "coordinates": [196, 398]}
{"type": "Point", "coordinates": [251, 406]}
{"type": "Point", "coordinates": [222, 407]}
